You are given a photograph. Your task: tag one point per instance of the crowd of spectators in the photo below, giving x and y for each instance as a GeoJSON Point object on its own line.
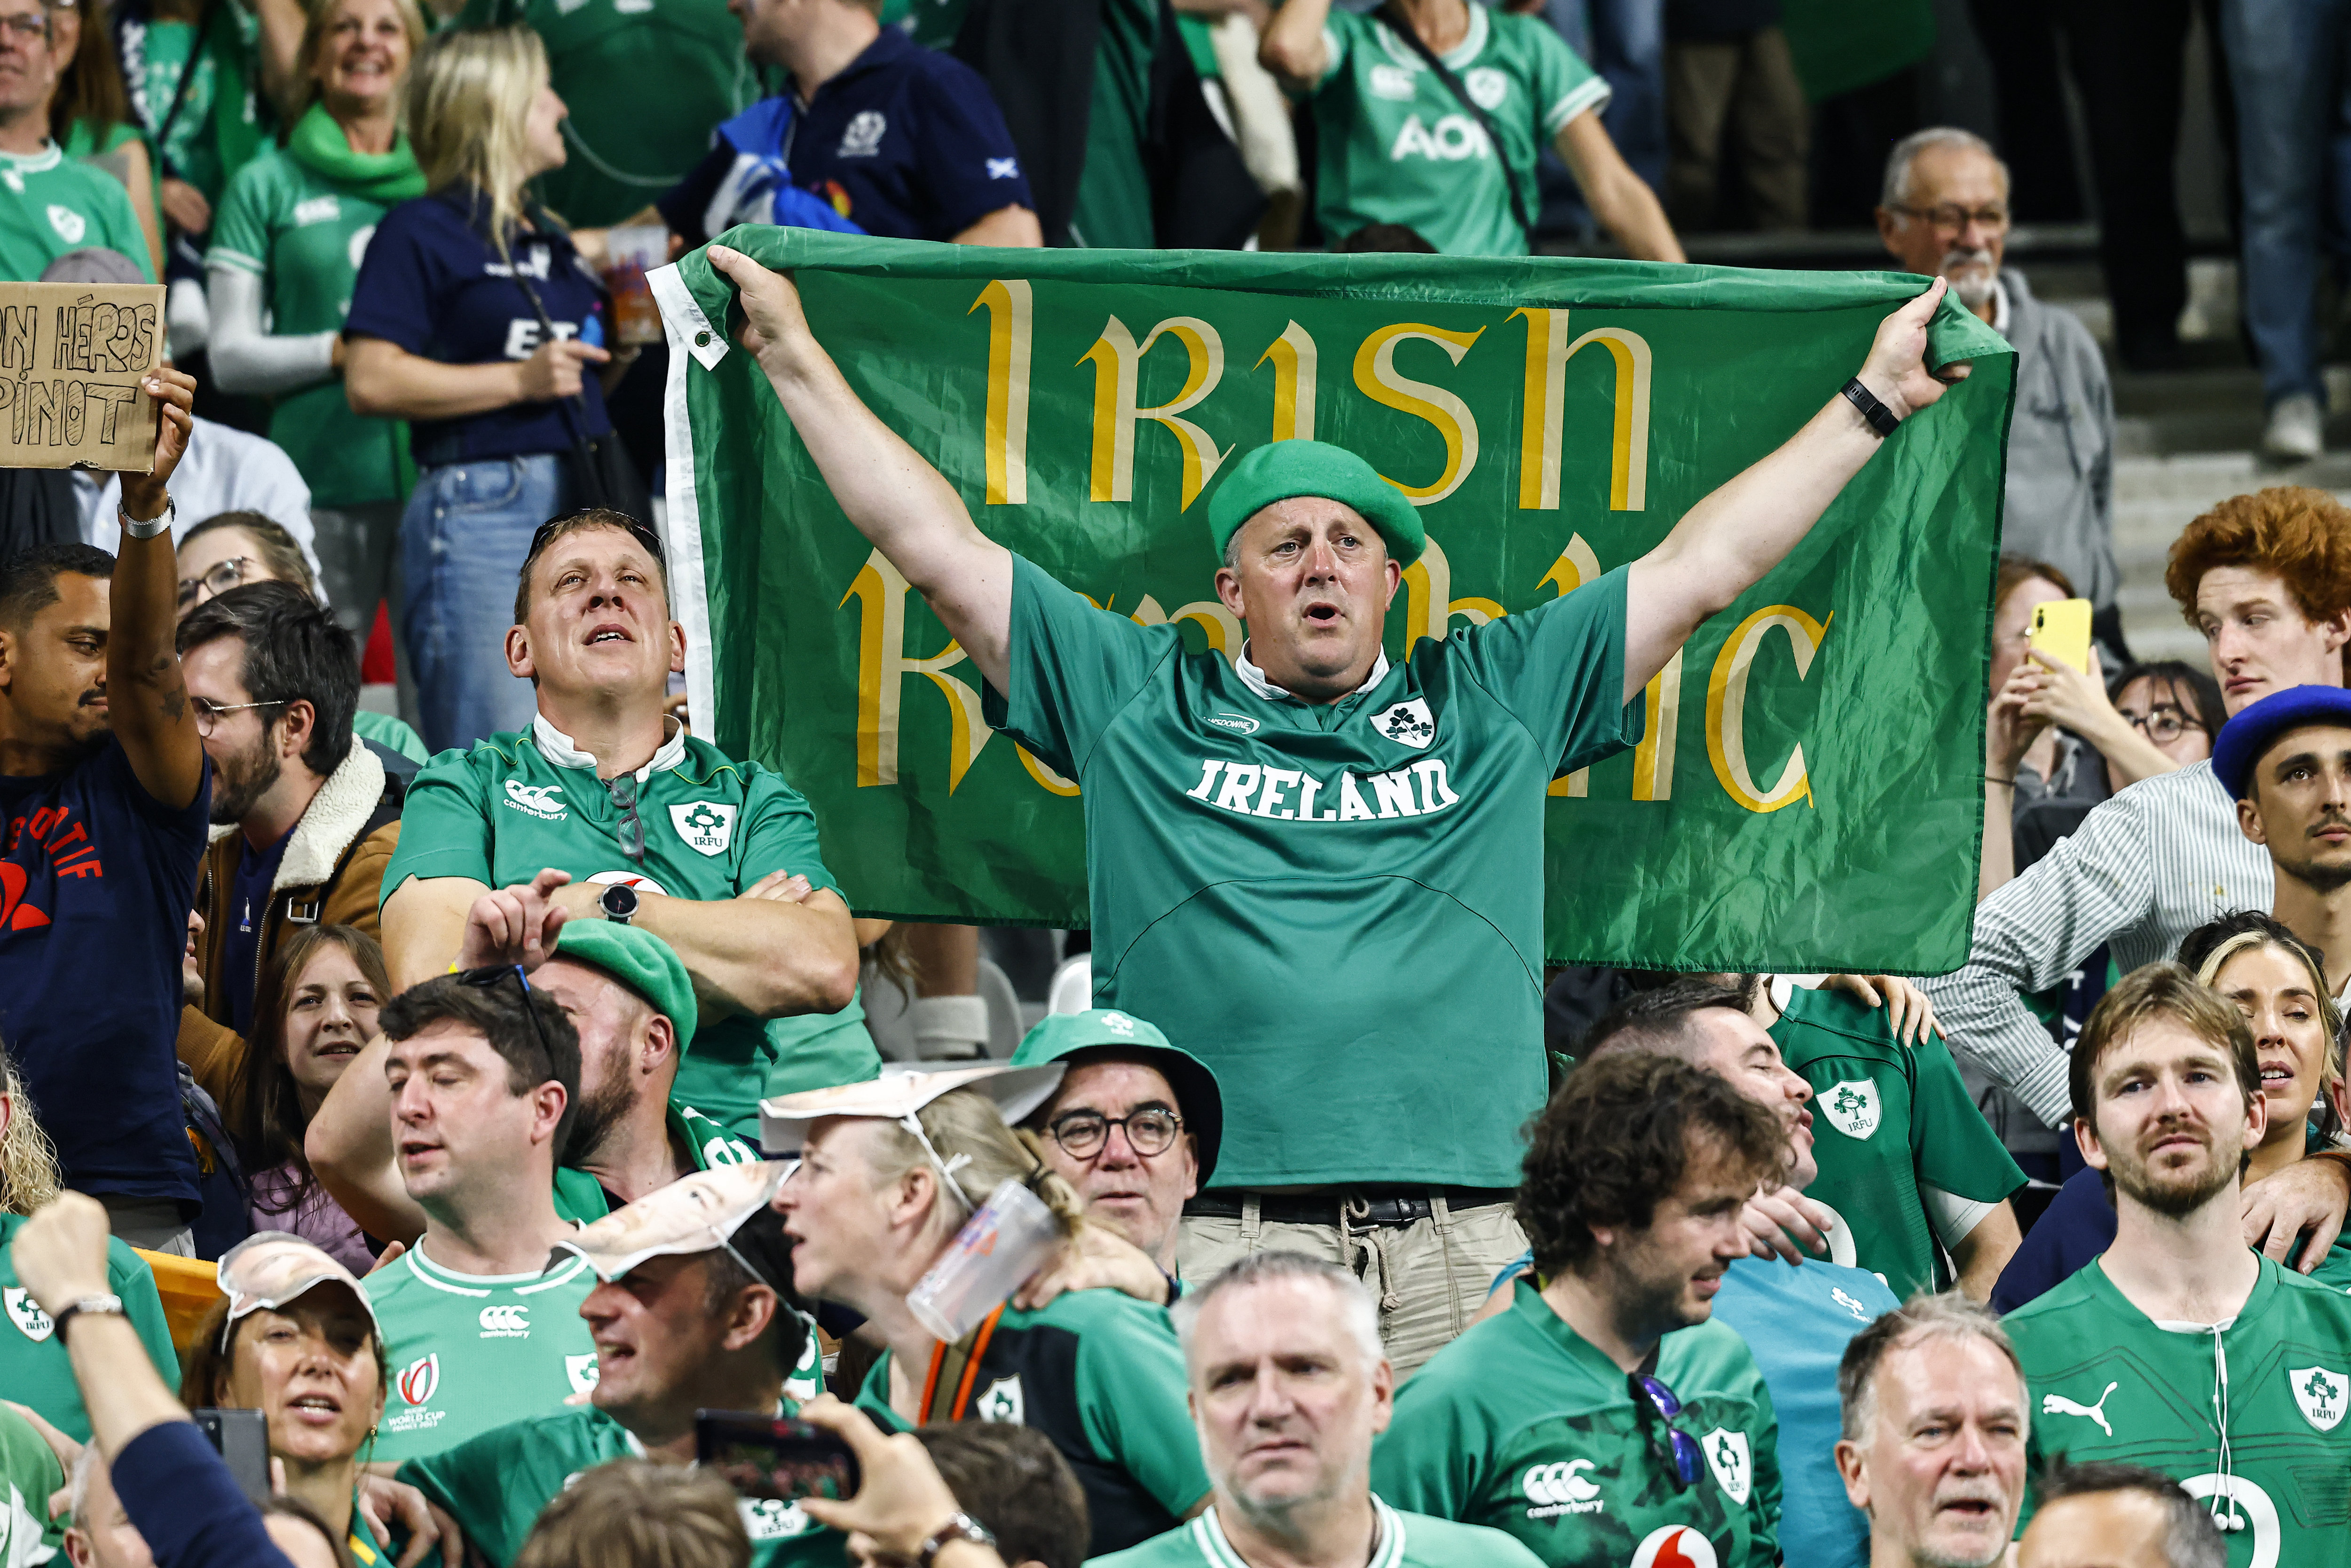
{"type": "Point", "coordinates": [415, 1124]}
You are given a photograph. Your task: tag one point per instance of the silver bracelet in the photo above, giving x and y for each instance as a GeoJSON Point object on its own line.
{"type": "Point", "coordinates": [153, 525]}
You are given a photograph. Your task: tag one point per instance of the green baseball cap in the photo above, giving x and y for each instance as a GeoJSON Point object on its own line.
{"type": "Point", "coordinates": [1101, 1034]}
{"type": "Point", "coordinates": [639, 960]}
{"type": "Point", "coordinates": [1289, 468]}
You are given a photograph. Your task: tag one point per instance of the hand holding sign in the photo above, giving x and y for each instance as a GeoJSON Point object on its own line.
{"type": "Point", "coordinates": [144, 494]}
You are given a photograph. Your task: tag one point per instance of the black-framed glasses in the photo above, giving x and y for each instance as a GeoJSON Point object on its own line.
{"type": "Point", "coordinates": [1151, 1130]}
{"type": "Point", "coordinates": [490, 975]}
{"type": "Point", "coordinates": [1676, 1448]}
{"type": "Point", "coordinates": [2164, 725]}
{"type": "Point", "coordinates": [1952, 218]}
{"type": "Point", "coordinates": [637, 530]}
{"type": "Point", "coordinates": [632, 826]}
{"type": "Point", "coordinates": [215, 580]}
{"type": "Point", "coordinates": [208, 713]}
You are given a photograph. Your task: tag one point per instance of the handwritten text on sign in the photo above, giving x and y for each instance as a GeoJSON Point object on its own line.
{"type": "Point", "coordinates": [71, 358]}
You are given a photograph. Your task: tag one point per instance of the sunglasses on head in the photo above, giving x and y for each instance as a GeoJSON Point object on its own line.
{"type": "Point", "coordinates": [644, 535]}
{"type": "Point", "coordinates": [489, 976]}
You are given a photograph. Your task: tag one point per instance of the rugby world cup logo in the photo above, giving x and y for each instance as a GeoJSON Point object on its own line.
{"type": "Point", "coordinates": [419, 1378]}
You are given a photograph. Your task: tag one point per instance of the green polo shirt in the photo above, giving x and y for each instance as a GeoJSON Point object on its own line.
{"type": "Point", "coordinates": [507, 806]}
{"type": "Point", "coordinates": [1405, 1541]}
{"type": "Point", "coordinates": [34, 1367]}
{"type": "Point", "coordinates": [1894, 1131]}
{"type": "Point", "coordinates": [1523, 1425]}
{"type": "Point", "coordinates": [1339, 908]}
{"type": "Point", "coordinates": [50, 204]}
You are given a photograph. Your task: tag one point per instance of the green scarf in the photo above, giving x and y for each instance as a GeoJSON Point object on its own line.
{"type": "Point", "coordinates": [318, 143]}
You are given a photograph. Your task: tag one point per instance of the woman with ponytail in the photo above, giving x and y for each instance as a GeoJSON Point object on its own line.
{"type": "Point", "coordinates": [889, 1172]}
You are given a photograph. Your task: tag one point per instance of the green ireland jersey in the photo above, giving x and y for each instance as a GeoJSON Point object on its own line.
{"type": "Point", "coordinates": [1405, 1541]}
{"type": "Point", "coordinates": [511, 804]}
{"type": "Point", "coordinates": [1100, 1374]}
{"type": "Point", "coordinates": [1398, 148]}
{"type": "Point", "coordinates": [580, 1198]}
{"type": "Point", "coordinates": [646, 80]}
{"type": "Point", "coordinates": [1522, 1426]}
{"type": "Point", "coordinates": [304, 237]}
{"type": "Point", "coordinates": [34, 1368]}
{"type": "Point", "coordinates": [470, 1352]}
{"type": "Point", "coordinates": [1113, 209]}
{"type": "Point", "coordinates": [1285, 887]}
{"type": "Point", "coordinates": [50, 204]}
{"type": "Point", "coordinates": [1905, 1155]}
{"type": "Point", "coordinates": [30, 1472]}
{"type": "Point", "coordinates": [495, 1485]}
{"type": "Point", "coordinates": [2108, 1382]}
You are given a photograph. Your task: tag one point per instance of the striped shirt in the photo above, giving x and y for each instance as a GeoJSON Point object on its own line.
{"type": "Point", "coordinates": [2142, 870]}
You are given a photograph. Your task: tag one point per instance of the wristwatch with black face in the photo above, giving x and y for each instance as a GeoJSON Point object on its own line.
{"type": "Point", "coordinates": [961, 1527]}
{"type": "Point", "coordinates": [618, 903]}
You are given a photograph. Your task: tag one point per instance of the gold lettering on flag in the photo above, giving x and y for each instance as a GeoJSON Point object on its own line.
{"type": "Point", "coordinates": [1294, 359]}
{"type": "Point", "coordinates": [1010, 308]}
{"type": "Point", "coordinates": [882, 666]}
{"type": "Point", "coordinates": [1116, 360]}
{"type": "Point", "coordinates": [1726, 706]}
{"type": "Point", "coordinates": [1378, 378]}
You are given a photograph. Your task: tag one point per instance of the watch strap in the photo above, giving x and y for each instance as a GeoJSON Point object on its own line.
{"type": "Point", "coordinates": [101, 1305]}
{"type": "Point", "coordinates": [1880, 418]}
{"type": "Point", "coordinates": [153, 526]}
{"type": "Point", "coordinates": [959, 1527]}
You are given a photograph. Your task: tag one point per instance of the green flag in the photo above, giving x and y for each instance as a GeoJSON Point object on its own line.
{"type": "Point", "coordinates": [1808, 793]}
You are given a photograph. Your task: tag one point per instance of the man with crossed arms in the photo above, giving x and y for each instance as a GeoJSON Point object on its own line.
{"type": "Point", "coordinates": [1375, 827]}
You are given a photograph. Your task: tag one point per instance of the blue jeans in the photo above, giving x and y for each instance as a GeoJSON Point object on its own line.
{"type": "Point", "coordinates": [461, 542]}
{"type": "Point", "coordinates": [2287, 62]}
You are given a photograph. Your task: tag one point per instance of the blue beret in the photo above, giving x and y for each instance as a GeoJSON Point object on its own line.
{"type": "Point", "coordinates": [2245, 739]}
{"type": "Point", "coordinates": [1288, 468]}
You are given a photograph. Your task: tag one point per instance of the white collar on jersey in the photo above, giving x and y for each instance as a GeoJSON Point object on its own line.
{"type": "Point", "coordinates": [1387, 1549]}
{"type": "Point", "coordinates": [1254, 678]}
{"type": "Point", "coordinates": [557, 747]}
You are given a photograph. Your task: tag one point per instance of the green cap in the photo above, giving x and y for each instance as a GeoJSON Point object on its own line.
{"type": "Point", "coordinates": [639, 960]}
{"type": "Point", "coordinates": [1288, 468]}
{"type": "Point", "coordinates": [1105, 1033]}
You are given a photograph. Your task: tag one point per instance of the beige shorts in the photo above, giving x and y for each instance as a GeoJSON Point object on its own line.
{"type": "Point", "coordinates": [1429, 1277]}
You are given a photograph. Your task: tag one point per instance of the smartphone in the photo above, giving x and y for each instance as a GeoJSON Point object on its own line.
{"type": "Point", "coordinates": [772, 1456]}
{"type": "Point", "coordinates": [241, 1437]}
{"type": "Point", "coordinates": [2062, 631]}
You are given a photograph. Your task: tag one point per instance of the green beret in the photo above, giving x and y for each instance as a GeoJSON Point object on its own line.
{"type": "Point", "coordinates": [1288, 468]}
{"type": "Point", "coordinates": [639, 960]}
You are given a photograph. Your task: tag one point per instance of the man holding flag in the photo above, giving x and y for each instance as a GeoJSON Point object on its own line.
{"type": "Point", "coordinates": [1309, 865]}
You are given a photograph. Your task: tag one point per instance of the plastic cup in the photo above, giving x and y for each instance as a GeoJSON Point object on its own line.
{"type": "Point", "coordinates": [634, 252]}
{"type": "Point", "coordinates": [1010, 1237]}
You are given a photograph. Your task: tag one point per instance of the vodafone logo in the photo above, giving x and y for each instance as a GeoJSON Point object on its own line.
{"type": "Point", "coordinates": [1557, 1489]}
{"type": "Point", "coordinates": [1676, 1546]}
{"type": "Point", "coordinates": [419, 1378]}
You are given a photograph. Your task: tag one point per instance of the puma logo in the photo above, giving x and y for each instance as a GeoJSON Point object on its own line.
{"type": "Point", "coordinates": [2058, 1404]}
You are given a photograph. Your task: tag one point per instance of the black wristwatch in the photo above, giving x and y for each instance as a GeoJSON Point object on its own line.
{"type": "Point", "coordinates": [961, 1527]}
{"type": "Point", "coordinates": [1876, 414]}
{"type": "Point", "coordinates": [619, 903]}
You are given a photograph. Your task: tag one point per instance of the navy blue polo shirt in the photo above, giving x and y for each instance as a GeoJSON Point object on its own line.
{"type": "Point", "coordinates": [434, 285]}
{"type": "Point", "coordinates": [906, 143]}
{"type": "Point", "coordinates": [95, 880]}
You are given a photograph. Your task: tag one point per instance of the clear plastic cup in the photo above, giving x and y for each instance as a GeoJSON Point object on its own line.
{"type": "Point", "coordinates": [1010, 1237]}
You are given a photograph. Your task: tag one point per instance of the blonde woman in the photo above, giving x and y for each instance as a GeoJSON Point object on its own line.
{"type": "Point", "coordinates": [474, 320]}
{"type": "Point", "coordinates": [878, 1199]}
{"type": "Point", "coordinates": [34, 1371]}
{"type": "Point", "coordinates": [286, 250]}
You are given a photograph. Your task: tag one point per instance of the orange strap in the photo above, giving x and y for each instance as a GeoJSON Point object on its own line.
{"type": "Point", "coordinates": [970, 1350]}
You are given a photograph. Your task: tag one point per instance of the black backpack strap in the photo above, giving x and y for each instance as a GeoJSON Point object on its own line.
{"type": "Point", "coordinates": [1391, 14]}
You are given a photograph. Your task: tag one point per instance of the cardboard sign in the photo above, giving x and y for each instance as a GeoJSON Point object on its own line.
{"type": "Point", "coordinates": [71, 358]}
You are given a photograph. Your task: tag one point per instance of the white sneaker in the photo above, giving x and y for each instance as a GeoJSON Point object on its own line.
{"type": "Point", "coordinates": [2295, 430]}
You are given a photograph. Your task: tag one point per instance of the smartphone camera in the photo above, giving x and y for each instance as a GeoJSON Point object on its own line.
{"type": "Point", "coordinates": [773, 1457]}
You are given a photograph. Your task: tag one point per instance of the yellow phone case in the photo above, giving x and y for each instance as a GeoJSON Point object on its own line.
{"type": "Point", "coordinates": [2062, 631]}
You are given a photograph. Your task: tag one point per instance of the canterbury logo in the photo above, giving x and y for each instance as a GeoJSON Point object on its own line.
{"type": "Point", "coordinates": [1561, 1484]}
{"type": "Point", "coordinates": [2058, 1404]}
{"type": "Point", "coordinates": [538, 799]}
{"type": "Point", "coordinates": [505, 1321]}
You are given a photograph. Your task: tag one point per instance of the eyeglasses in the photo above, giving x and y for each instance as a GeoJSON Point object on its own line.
{"type": "Point", "coordinates": [1952, 218]}
{"type": "Point", "coordinates": [637, 530]}
{"type": "Point", "coordinates": [2166, 723]}
{"type": "Point", "coordinates": [1677, 1448]}
{"type": "Point", "coordinates": [208, 713]}
{"type": "Point", "coordinates": [220, 576]}
{"type": "Point", "coordinates": [633, 827]}
{"type": "Point", "coordinates": [27, 26]}
{"type": "Point", "coordinates": [489, 976]}
{"type": "Point", "coordinates": [1151, 1130]}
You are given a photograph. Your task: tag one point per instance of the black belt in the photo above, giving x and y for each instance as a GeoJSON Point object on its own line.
{"type": "Point", "coordinates": [1394, 1207]}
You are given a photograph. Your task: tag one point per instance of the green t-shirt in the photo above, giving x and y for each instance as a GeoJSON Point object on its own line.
{"type": "Point", "coordinates": [1398, 148]}
{"type": "Point", "coordinates": [471, 1352]}
{"type": "Point", "coordinates": [218, 126]}
{"type": "Point", "coordinates": [502, 809]}
{"type": "Point", "coordinates": [1336, 906]}
{"type": "Point", "coordinates": [645, 80]}
{"type": "Point", "coordinates": [34, 1368]}
{"type": "Point", "coordinates": [1113, 209]}
{"type": "Point", "coordinates": [1895, 1131]}
{"type": "Point", "coordinates": [1100, 1374]}
{"type": "Point", "coordinates": [304, 237]}
{"type": "Point", "coordinates": [30, 1472]}
{"type": "Point", "coordinates": [1405, 1541]}
{"type": "Point", "coordinates": [50, 204]}
{"type": "Point", "coordinates": [2106, 1382]}
{"type": "Point", "coordinates": [1521, 1425]}
{"type": "Point", "coordinates": [495, 1485]}
{"type": "Point", "coordinates": [390, 733]}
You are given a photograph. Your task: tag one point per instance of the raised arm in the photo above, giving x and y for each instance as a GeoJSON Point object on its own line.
{"type": "Point", "coordinates": [897, 500]}
{"type": "Point", "coordinates": [1618, 197]}
{"type": "Point", "coordinates": [1292, 47]}
{"type": "Point", "coordinates": [350, 1148]}
{"type": "Point", "coordinates": [1724, 545]}
{"type": "Point", "coordinates": [146, 700]}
